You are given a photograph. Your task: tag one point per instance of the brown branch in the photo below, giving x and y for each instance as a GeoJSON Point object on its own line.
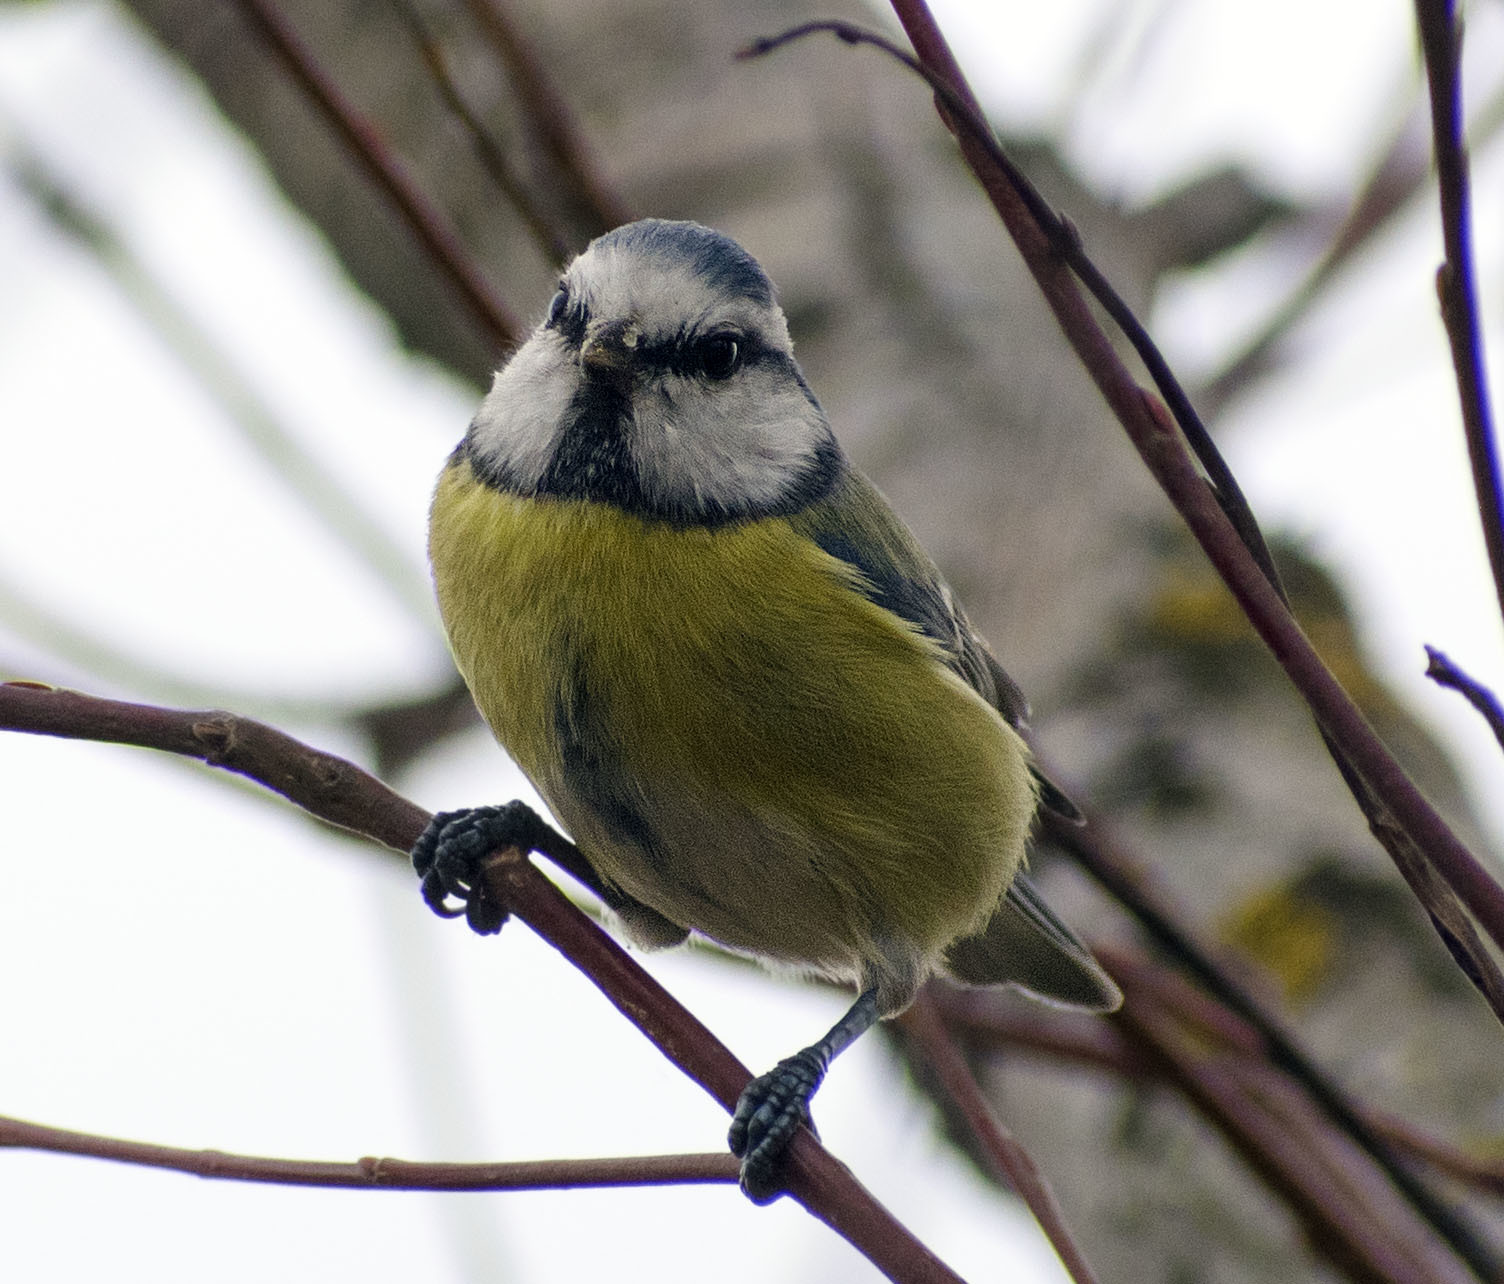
{"type": "Point", "coordinates": [1095, 851]}
{"type": "Point", "coordinates": [993, 1018]}
{"type": "Point", "coordinates": [341, 793]}
{"type": "Point", "coordinates": [322, 784]}
{"type": "Point", "coordinates": [987, 1020]}
{"type": "Point", "coordinates": [1396, 178]}
{"type": "Point", "coordinates": [1442, 671]}
{"type": "Point", "coordinates": [1013, 1163]}
{"type": "Point", "coordinates": [1456, 280]}
{"type": "Point", "coordinates": [1433, 859]}
{"type": "Point", "coordinates": [817, 1179]}
{"type": "Point", "coordinates": [423, 218]}
{"type": "Point", "coordinates": [373, 1173]}
{"type": "Point", "coordinates": [1443, 1156]}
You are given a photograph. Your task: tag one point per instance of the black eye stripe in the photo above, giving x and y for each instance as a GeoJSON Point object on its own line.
{"type": "Point", "coordinates": [682, 355]}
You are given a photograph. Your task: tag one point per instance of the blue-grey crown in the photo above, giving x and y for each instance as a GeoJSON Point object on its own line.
{"type": "Point", "coordinates": [712, 256]}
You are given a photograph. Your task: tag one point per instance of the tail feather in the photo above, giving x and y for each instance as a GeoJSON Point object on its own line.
{"type": "Point", "coordinates": [1026, 945]}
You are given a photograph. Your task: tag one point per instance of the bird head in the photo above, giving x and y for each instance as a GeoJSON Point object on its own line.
{"type": "Point", "coordinates": [661, 379]}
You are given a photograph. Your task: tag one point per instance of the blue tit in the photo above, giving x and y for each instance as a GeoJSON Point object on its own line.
{"type": "Point", "coordinates": [726, 664]}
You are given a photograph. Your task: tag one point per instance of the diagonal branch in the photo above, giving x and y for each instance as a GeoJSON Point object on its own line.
{"type": "Point", "coordinates": [551, 117]}
{"type": "Point", "coordinates": [1437, 865]}
{"type": "Point", "coordinates": [1094, 850]}
{"type": "Point", "coordinates": [339, 792]}
{"type": "Point", "coordinates": [1348, 1213]}
{"type": "Point", "coordinates": [1440, 870]}
{"type": "Point", "coordinates": [1445, 673]}
{"type": "Point", "coordinates": [488, 152]}
{"type": "Point", "coordinates": [926, 1024]}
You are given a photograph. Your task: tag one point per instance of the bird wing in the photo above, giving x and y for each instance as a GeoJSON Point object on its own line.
{"type": "Point", "coordinates": [855, 524]}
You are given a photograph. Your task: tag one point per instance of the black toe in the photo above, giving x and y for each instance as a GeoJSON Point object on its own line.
{"type": "Point", "coordinates": [771, 1109]}
{"type": "Point", "coordinates": [448, 854]}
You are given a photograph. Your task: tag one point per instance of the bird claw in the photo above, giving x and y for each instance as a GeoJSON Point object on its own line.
{"type": "Point", "coordinates": [448, 854]}
{"type": "Point", "coordinates": [769, 1112]}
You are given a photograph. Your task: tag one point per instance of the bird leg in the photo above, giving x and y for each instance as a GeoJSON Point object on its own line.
{"type": "Point", "coordinates": [774, 1104]}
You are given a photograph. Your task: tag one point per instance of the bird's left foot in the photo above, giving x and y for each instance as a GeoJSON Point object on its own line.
{"type": "Point", "coordinates": [447, 859]}
{"type": "Point", "coordinates": [770, 1111]}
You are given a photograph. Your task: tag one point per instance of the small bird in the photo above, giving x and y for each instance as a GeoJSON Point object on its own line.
{"type": "Point", "coordinates": [728, 667]}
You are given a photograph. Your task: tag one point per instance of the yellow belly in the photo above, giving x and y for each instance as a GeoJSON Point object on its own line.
{"type": "Point", "coordinates": [733, 734]}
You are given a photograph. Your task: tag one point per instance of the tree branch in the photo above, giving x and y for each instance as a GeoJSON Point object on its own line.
{"type": "Point", "coordinates": [1094, 850]}
{"type": "Point", "coordinates": [1348, 1212]}
{"type": "Point", "coordinates": [1435, 862]}
{"type": "Point", "coordinates": [492, 159]}
{"type": "Point", "coordinates": [1456, 280]}
{"type": "Point", "coordinates": [551, 117]}
{"type": "Point", "coordinates": [1442, 671]}
{"type": "Point", "coordinates": [373, 1173]}
{"type": "Point", "coordinates": [1012, 1162]}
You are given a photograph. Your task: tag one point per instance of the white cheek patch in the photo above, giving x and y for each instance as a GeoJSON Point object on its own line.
{"type": "Point", "coordinates": [734, 445]}
{"type": "Point", "coordinates": [517, 429]}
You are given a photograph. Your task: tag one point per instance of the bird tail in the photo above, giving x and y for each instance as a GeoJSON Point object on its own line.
{"type": "Point", "coordinates": [1026, 945]}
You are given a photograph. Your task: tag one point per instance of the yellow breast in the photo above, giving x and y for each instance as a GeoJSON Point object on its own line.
{"type": "Point", "coordinates": [733, 733]}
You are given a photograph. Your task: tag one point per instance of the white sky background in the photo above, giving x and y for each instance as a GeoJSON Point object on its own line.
{"type": "Point", "coordinates": [186, 964]}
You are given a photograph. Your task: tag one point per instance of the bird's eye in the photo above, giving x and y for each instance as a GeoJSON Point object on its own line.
{"type": "Point", "coordinates": [557, 306]}
{"type": "Point", "coordinates": [718, 355]}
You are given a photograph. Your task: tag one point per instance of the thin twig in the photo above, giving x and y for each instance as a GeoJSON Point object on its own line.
{"type": "Point", "coordinates": [963, 114]}
{"type": "Point", "coordinates": [990, 1019]}
{"type": "Point", "coordinates": [342, 794]}
{"type": "Point", "coordinates": [994, 1018]}
{"type": "Point", "coordinates": [373, 1173]}
{"type": "Point", "coordinates": [1442, 671]}
{"type": "Point", "coordinates": [1456, 280]}
{"type": "Point", "coordinates": [322, 784]}
{"type": "Point", "coordinates": [1443, 1156]}
{"type": "Point", "coordinates": [1396, 179]}
{"type": "Point", "coordinates": [423, 218]}
{"type": "Point", "coordinates": [1013, 1162]}
{"type": "Point", "coordinates": [1423, 847]}
{"type": "Point", "coordinates": [816, 1179]}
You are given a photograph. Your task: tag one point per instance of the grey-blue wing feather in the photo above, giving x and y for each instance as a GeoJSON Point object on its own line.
{"type": "Point", "coordinates": [855, 524]}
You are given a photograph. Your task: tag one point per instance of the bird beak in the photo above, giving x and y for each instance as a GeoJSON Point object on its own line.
{"type": "Point", "coordinates": [609, 348]}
